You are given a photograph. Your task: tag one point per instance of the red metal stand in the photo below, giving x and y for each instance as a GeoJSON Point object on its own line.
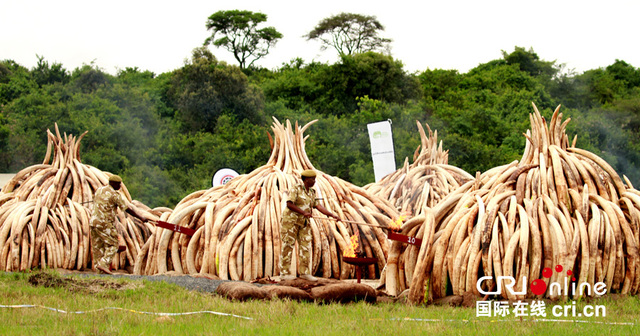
{"type": "Point", "coordinates": [359, 263]}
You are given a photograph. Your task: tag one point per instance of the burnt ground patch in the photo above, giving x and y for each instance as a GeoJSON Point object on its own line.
{"type": "Point", "coordinates": [87, 286]}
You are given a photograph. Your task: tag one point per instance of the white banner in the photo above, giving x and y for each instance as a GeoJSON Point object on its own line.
{"type": "Point", "coordinates": [382, 153]}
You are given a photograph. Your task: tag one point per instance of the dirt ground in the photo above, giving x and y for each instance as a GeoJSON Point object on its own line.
{"type": "Point", "coordinates": [87, 286]}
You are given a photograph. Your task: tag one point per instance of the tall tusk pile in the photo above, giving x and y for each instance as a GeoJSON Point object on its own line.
{"type": "Point", "coordinates": [413, 188]}
{"type": "Point", "coordinates": [238, 224]}
{"type": "Point", "coordinates": [559, 206]}
{"type": "Point", "coordinates": [45, 211]}
{"type": "Point", "coordinates": [425, 182]}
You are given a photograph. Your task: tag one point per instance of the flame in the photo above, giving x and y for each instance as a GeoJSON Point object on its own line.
{"type": "Point", "coordinates": [351, 250]}
{"type": "Point", "coordinates": [396, 224]}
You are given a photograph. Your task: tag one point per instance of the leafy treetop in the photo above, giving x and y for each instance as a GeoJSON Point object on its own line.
{"type": "Point", "coordinates": [236, 31]}
{"type": "Point", "coordinates": [350, 33]}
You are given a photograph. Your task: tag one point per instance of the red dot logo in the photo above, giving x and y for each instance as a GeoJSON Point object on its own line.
{"type": "Point", "coordinates": [226, 179]}
{"type": "Point", "coordinates": [547, 272]}
{"type": "Point", "coordinates": [538, 287]}
{"type": "Point", "coordinates": [558, 268]}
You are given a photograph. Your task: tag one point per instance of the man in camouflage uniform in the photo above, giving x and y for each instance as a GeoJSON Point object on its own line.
{"type": "Point", "coordinates": [295, 226]}
{"type": "Point", "coordinates": [104, 234]}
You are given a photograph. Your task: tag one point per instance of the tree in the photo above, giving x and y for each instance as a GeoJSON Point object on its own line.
{"type": "Point", "coordinates": [529, 62]}
{"type": "Point", "coordinates": [44, 73]}
{"type": "Point", "coordinates": [368, 74]}
{"type": "Point", "coordinates": [240, 35]}
{"type": "Point", "coordinates": [204, 89]}
{"type": "Point", "coordinates": [334, 89]}
{"type": "Point", "coordinates": [89, 78]}
{"type": "Point", "coordinates": [436, 83]}
{"type": "Point", "coordinates": [5, 132]}
{"type": "Point", "coordinates": [623, 71]}
{"type": "Point", "coordinates": [350, 33]}
{"type": "Point", "coordinates": [296, 84]}
{"type": "Point", "coordinates": [15, 81]}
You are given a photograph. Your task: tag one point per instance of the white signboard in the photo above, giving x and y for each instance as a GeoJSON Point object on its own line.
{"type": "Point", "coordinates": [382, 153]}
{"type": "Point", "coordinates": [223, 176]}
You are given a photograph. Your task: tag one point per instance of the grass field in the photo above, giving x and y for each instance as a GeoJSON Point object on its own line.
{"type": "Point", "coordinates": [277, 317]}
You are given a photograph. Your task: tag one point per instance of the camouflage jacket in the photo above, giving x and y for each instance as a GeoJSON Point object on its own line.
{"type": "Point", "coordinates": [105, 202]}
{"type": "Point", "coordinates": [303, 199]}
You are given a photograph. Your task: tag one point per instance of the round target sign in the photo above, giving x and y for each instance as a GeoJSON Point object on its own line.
{"type": "Point", "coordinates": [222, 176]}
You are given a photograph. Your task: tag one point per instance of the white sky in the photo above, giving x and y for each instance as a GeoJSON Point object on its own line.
{"type": "Point", "coordinates": [443, 34]}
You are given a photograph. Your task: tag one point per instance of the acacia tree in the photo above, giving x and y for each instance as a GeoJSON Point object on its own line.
{"type": "Point", "coordinates": [350, 33]}
{"type": "Point", "coordinates": [238, 33]}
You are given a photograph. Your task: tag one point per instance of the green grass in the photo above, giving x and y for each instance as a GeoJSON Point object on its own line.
{"type": "Point", "coordinates": [276, 317]}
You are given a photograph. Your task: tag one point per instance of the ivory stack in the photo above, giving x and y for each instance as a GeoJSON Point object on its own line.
{"type": "Point", "coordinates": [558, 206]}
{"type": "Point", "coordinates": [45, 211]}
{"type": "Point", "coordinates": [425, 182]}
{"type": "Point", "coordinates": [238, 224]}
{"type": "Point", "coordinates": [412, 189]}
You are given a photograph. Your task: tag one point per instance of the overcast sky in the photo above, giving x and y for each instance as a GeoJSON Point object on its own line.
{"type": "Point", "coordinates": [454, 34]}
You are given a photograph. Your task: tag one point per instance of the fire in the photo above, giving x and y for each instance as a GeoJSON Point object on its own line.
{"type": "Point", "coordinates": [395, 225]}
{"type": "Point", "coordinates": [351, 250]}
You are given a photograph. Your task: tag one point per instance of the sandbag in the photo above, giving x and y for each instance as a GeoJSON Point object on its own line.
{"type": "Point", "coordinates": [343, 293]}
{"type": "Point", "coordinates": [241, 291]}
{"type": "Point", "coordinates": [306, 285]}
{"type": "Point", "coordinates": [287, 292]}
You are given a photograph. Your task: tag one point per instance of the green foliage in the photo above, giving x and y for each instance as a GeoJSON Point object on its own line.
{"type": "Point", "coordinates": [241, 36]}
{"type": "Point", "coordinates": [369, 74]}
{"type": "Point", "coordinates": [15, 81]}
{"type": "Point", "coordinates": [136, 77]}
{"type": "Point", "coordinates": [152, 185]}
{"type": "Point", "coordinates": [604, 88]}
{"type": "Point", "coordinates": [481, 115]}
{"type": "Point", "coordinates": [121, 121]}
{"type": "Point", "coordinates": [437, 84]}
{"type": "Point", "coordinates": [29, 116]}
{"type": "Point", "coordinates": [88, 79]}
{"type": "Point", "coordinates": [204, 89]}
{"type": "Point", "coordinates": [192, 159]}
{"type": "Point", "coordinates": [611, 134]}
{"type": "Point", "coordinates": [334, 89]}
{"type": "Point", "coordinates": [156, 87]}
{"type": "Point", "coordinates": [350, 34]}
{"type": "Point", "coordinates": [339, 145]}
{"type": "Point", "coordinates": [529, 62]}
{"type": "Point", "coordinates": [622, 71]}
{"type": "Point", "coordinates": [44, 73]}
{"type": "Point", "coordinates": [168, 134]}
{"type": "Point", "coordinates": [5, 132]}
{"type": "Point", "coordinates": [297, 85]}
{"type": "Point", "coordinates": [598, 87]}
{"type": "Point", "coordinates": [571, 89]}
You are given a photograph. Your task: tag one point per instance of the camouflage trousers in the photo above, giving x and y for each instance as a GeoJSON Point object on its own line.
{"type": "Point", "coordinates": [289, 233]}
{"type": "Point", "coordinates": [104, 243]}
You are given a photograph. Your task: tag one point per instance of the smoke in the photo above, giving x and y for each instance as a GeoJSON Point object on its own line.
{"type": "Point", "coordinates": [603, 132]}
